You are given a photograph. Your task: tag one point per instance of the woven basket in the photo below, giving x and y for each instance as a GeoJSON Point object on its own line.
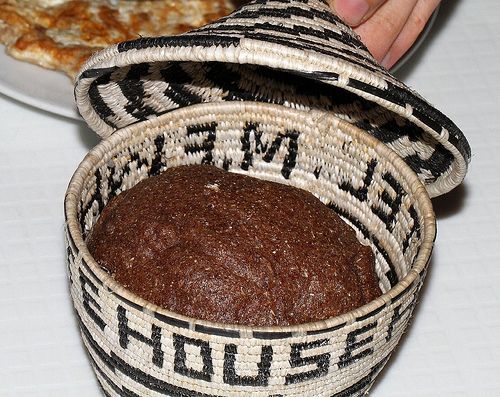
{"type": "Point", "coordinates": [280, 90]}
{"type": "Point", "coordinates": [140, 349]}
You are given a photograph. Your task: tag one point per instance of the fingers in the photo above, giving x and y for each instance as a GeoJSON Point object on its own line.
{"type": "Point", "coordinates": [381, 30]}
{"type": "Point", "coordinates": [387, 27]}
{"type": "Point", "coordinates": [410, 32]}
{"type": "Point", "coordinates": [355, 12]}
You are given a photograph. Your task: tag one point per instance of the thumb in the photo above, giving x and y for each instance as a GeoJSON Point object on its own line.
{"type": "Point", "coordinates": [355, 12]}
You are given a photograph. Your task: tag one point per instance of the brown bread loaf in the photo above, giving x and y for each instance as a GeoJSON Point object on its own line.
{"type": "Point", "coordinates": [230, 248]}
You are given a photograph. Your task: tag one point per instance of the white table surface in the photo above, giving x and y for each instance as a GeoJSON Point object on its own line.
{"type": "Point", "coordinates": [453, 345]}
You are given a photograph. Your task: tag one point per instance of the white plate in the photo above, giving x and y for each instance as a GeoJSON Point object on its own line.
{"type": "Point", "coordinates": [42, 88]}
{"type": "Point", "coordinates": [53, 91]}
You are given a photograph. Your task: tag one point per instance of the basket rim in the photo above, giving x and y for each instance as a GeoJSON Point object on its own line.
{"type": "Point", "coordinates": [384, 89]}
{"type": "Point", "coordinates": [416, 187]}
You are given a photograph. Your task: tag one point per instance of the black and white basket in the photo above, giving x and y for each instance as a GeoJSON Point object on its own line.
{"type": "Point", "coordinates": [280, 90]}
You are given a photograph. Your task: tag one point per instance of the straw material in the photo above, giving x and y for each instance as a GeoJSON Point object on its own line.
{"type": "Point", "coordinates": [290, 52]}
{"type": "Point", "coordinates": [138, 349]}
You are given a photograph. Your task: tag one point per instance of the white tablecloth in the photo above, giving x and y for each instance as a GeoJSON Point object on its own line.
{"type": "Point", "coordinates": [453, 345]}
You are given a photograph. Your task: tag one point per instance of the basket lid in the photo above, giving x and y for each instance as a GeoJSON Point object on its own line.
{"type": "Point", "coordinates": [290, 52]}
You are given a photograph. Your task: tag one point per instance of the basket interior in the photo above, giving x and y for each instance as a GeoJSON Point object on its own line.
{"type": "Point", "coordinates": [309, 150]}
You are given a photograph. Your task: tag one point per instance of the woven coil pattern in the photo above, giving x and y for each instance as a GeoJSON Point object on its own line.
{"type": "Point", "coordinates": [138, 349]}
{"type": "Point", "coordinates": [290, 52]}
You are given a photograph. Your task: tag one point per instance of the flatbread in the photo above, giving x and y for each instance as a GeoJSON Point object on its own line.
{"type": "Point", "coordinates": [62, 34]}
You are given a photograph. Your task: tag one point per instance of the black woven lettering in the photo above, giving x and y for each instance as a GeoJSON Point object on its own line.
{"type": "Point", "coordinates": [157, 164]}
{"type": "Point", "coordinates": [290, 159]}
{"type": "Point", "coordinates": [394, 204]}
{"type": "Point", "coordinates": [269, 152]}
{"type": "Point", "coordinates": [275, 145]}
{"type": "Point", "coordinates": [208, 143]}
{"type": "Point", "coordinates": [125, 331]}
{"type": "Point", "coordinates": [89, 301]}
{"type": "Point", "coordinates": [264, 366]}
{"type": "Point", "coordinates": [251, 129]}
{"type": "Point", "coordinates": [361, 193]}
{"type": "Point", "coordinates": [352, 343]}
{"type": "Point", "coordinates": [322, 362]}
{"type": "Point", "coordinates": [180, 358]}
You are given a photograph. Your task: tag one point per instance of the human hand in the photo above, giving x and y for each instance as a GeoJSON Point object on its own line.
{"type": "Point", "coordinates": [387, 27]}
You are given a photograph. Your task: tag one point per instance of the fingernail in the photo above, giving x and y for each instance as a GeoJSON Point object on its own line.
{"type": "Point", "coordinates": [352, 11]}
{"type": "Point", "coordinates": [386, 62]}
